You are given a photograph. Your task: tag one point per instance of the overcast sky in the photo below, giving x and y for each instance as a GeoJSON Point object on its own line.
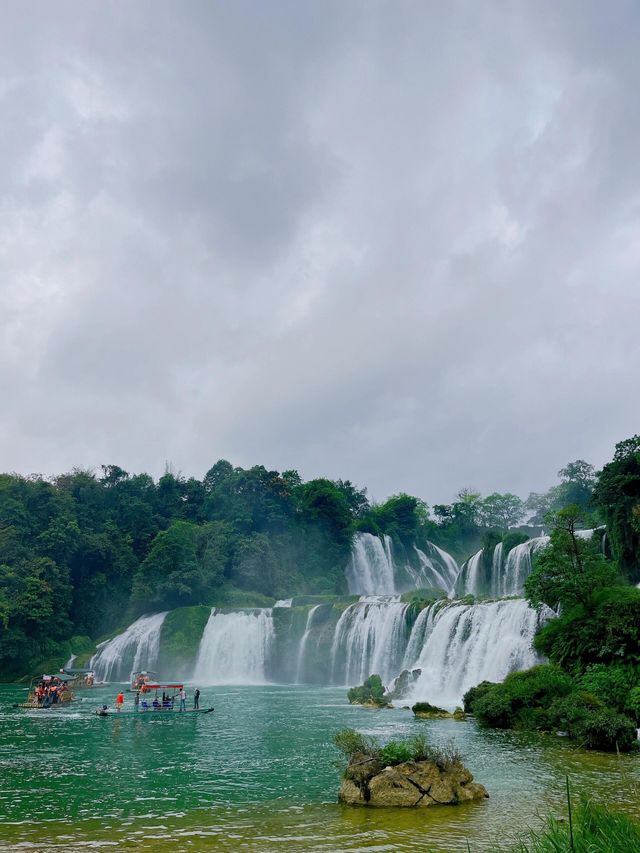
{"type": "Point", "coordinates": [392, 242]}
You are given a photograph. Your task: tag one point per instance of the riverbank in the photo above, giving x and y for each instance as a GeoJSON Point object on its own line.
{"type": "Point", "coordinates": [258, 774]}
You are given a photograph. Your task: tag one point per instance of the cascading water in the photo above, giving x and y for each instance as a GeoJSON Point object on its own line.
{"type": "Point", "coordinates": [134, 650]}
{"type": "Point", "coordinates": [437, 569]}
{"type": "Point", "coordinates": [235, 647]}
{"type": "Point", "coordinates": [370, 570]}
{"type": "Point", "coordinates": [370, 637]}
{"type": "Point", "coordinates": [462, 645]}
{"type": "Point", "coordinates": [472, 574]}
{"type": "Point", "coordinates": [303, 644]}
{"type": "Point", "coordinates": [496, 568]}
{"type": "Point", "coordinates": [518, 566]}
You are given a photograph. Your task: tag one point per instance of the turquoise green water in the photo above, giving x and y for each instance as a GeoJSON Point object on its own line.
{"type": "Point", "coordinates": [258, 774]}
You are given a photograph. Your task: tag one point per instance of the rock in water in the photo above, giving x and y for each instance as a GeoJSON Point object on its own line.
{"type": "Point", "coordinates": [408, 785]}
{"type": "Point", "coordinates": [425, 711]}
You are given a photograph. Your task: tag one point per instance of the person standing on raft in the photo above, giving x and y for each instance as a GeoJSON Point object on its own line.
{"type": "Point", "coordinates": [119, 701]}
{"type": "Point", "coordinates": [183, 699]}
{"type": "Point", "coordinates": [196, 699]}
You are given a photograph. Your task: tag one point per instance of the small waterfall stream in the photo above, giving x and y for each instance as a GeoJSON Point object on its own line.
{"type": "Point", "coordinates": [303, 644]}
{"type": "Point", "coordinates": [134, 650]}
{"type": "Point", "coordinates": [235, 647]}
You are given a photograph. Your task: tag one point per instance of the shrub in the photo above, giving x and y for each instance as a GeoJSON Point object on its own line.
{"type": "Point", "coordinates": [396, 752]}
{"type": "Point", "coordinates": [519, 700]}
{"type": "Point", "coordinates": [607, 632]}
{"type": "Point", "coordinates": [372, 691]}
{"type": "Point", "coordinates": [351, 742]}
{"type": "Point", "coordinates": [353, 745]}
{"type": "Point", "coordinates": [475, 693]}
{"type": "Point", "coordinates": [633, 704]}
{"type": "Point", "coordinates": [594, 725]}
{"type": "Point", "coordinates": [426, 708]}
{"type": "Point", "coordinates": [611, 683]}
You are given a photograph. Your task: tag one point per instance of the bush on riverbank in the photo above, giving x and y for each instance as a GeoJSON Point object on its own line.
{"type": "Point", "coordinates": [546, 698]}
{"type": "Point", "coordinates": [593, 828]}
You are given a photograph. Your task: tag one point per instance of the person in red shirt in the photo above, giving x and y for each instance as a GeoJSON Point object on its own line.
{"type": "Point", "coordinates": [119, 701]}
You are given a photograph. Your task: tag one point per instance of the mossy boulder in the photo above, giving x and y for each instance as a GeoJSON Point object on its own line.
{"type": "Point", "coordinates": [425, 711]}
{"type": "Point", "coordinates": [370, 694]}
{"type": "Point", "coordinates": [412, 784]}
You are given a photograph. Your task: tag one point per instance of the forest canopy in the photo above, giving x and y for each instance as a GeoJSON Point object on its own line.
{"type": "Point", "coordinates": [83, 552]}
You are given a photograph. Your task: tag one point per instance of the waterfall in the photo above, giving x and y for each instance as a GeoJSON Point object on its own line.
{"type": "Point", "coordinates": [70, 662]}
{"type": "Point", "coordinates": [284, 602]}
{"type": "Point", "coordinates": [134, 650]}
{"type": "Point", "coordinates": [518, 565]}
{"type": "Point", "coordinates": [370, 570]}
{"type": "Point", "coordinates": [303, 644]}
{"type": "Point", "coordinates": [437, 569]}
{"type": "Point", "coordinates": [472, 580]}
{"type": "Point", "coordinates": [370, 638]}
{"type": "Point", "coordinates": [451, 568]}
{"type": "Point", "coordinates": [465, 644]}
{"type": "Point", "coordinates": [235, 647]}
{"type": "Point", "coordinates": [496, 569]}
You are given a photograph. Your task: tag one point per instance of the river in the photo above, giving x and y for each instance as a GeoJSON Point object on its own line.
{"type": "Point", "coordinates": [258, 775]}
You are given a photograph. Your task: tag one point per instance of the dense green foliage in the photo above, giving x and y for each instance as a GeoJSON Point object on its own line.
{"type": "Point", "coordinates": [82, 554]}
{"type": "Point", "coordinates": [355, 746]}
{"type": "Point", "coordinates": [593, 828]}
{"type": "Point", "coordinates": [570, 570]}
{"type": "Point", "coordinates": [547, 698]}
{"type": "Point", "coordinates": [591, 687]}
{"type": "Point", "coordinates": [369, 693]}
{"type": "Point", "coordinates": [618, 498]}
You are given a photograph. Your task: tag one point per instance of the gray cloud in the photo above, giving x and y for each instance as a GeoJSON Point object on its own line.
{"type": "Point", "coordinates": [396, 243]}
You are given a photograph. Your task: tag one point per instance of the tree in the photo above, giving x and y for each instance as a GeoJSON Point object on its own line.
{"type": "Point", "coordinates": [171, 574]}
{"type": "Point", "coordinates": [501, 511]}
{"type": "Point", "coordinates": [570, 569]}
{"type": "Point", "coordinates": [617, 496]}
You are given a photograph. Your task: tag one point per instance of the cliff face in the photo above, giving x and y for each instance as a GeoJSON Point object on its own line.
{"type": "Point", "coordinates": [412, 784]}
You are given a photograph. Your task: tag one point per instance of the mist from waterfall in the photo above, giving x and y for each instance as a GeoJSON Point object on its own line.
{"type": "Point", "coordinates": [235, 647]}
{"type": "Point", "coordinates": [134, 650]}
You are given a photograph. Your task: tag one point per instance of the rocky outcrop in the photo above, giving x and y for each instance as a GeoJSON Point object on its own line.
{"type": "Point", "coordinates": [425, 711]}
{"type": "Point", "coordinates": [403, 685]}
{"type": "Point", "coordinates": [413, 784]}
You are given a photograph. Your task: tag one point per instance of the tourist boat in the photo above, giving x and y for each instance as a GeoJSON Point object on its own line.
{"type": "Point", "coordinates": [84, 678]}
{"type": "Point", "coordinates": [159, 705]}
{"type": "Point", "coordinates": [141, 679]}
{"type": "Point", "coordinates": [49, 691]}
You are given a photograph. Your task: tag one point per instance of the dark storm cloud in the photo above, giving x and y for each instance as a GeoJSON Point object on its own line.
{"type": "Point", "coordinates": [391, 242]}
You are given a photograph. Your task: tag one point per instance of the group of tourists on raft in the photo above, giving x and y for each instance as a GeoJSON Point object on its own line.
{"type": "Point", "coordinates": [51, 691]}
{"type": "Point", "coordinates": [166, 703]}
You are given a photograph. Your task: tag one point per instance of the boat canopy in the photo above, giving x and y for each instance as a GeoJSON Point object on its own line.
{"type": "Point", "coordinates": [58, 676]}
{"type": "Point", "coordinates": [162, 686]}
